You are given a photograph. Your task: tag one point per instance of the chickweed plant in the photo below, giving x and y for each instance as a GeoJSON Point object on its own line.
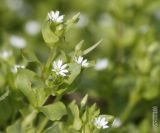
{"type": "Point", "coordinates": [34, 95]}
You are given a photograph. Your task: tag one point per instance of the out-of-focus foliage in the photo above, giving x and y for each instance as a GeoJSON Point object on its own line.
{"type": "Point", "coordinates": [125, 80]}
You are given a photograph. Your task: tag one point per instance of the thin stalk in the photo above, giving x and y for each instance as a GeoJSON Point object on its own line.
{"type": "Point", "coordinates": [51, 57]}
{"type": "Point", "coordinates": [42, 125]}
{"type": "Point", "coordinates": [134, 99]}
{"type": "Point", "coordinates": [29, 119]}
{"type": "Point", "coordinates": [58, 98]}
{"type": "Point", "coordinates": [48, 63]}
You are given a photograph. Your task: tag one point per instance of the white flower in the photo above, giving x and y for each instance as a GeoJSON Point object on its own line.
{"type": "Point", "coordinates": [55, 17]}
{"type": "Point", "coordinates": [32, 27]}
{"type": "Point", "coordinates": [5, 54]}
{"type": "Point", "coordinates": [144, 29]}
{"type": "Point", "coordinates": [157, 14]}
{"type": "Point", "coordinates": [106, 20]}
{"type": "Point", "coordinates": [15, 68]}
{"type": "Point", "coordinates": [15, 5]}
{"type": "Point", "coordinates": [82, 62]}
{"type": "Point", "coordinates": [116, 123]}
{"type": "Point", "coordinates": [101, 122]}
{"type": "Point", "coordinates": [17, 41]}
{"type": "Point", "coordinates": [59, 69]}
{"type": "Point", "coordinates": [101, 64]}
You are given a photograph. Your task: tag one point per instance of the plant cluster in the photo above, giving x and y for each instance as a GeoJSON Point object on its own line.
{"type": "Point", "coordinates": [27, 103]}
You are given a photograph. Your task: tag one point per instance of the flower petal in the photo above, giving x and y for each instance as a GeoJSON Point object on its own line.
{"type": "Point", "coordinates": [56, 14]}
{"type": "Point", "coordinates": [64, 66]}
{"type": "Point", "coordinates": [64, 71]}
{"type": "Point", "coordinates": [61, 73]}
{"type": "Point", "coordinates": [80, 59]}
{"type": "Point", "coordinates": [59, 64]}
{"type": "Point", "coordinates": [60, 19]}
{"type": "Point", "coordinates": [105, 126]}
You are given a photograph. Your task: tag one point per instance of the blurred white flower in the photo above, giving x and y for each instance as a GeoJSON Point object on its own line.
{"type": "Point", "coordinates": [116, 123]}
{"type": "Point", "coordinates": [106, 20]}
{"type": "Point", "coordinates": [5, 54]}
{"type": "Point", "coordinates": [101, 64]}
{"type": "Point", "coordinates": [55, 17]}
{"type": "Point", "coordinates": [157, 14]}
{"type": "Point", "coordinates": [20, 7]}
{"type": "Point", "coordinates": [101, 122]}
{"type": "Point", "coordinates": [144, 29]}
{"type": "Point", "coordinates": [83, 21]}
{"type": "Point", "coordinates": [32, 27]}
{"type": "Point", "coordinates": [15, 5]}
{"type": "Point", "coordinates": [82, 62]}
{"type": "Point", "coordinates": [16, 67]}
{"type": "Point", "coordinates": [59, 69]}
{"type": "Point", "coordinates": [17, 41]}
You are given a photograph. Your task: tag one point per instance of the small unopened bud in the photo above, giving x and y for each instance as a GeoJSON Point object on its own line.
{"type": "Point", "coordinates": [84, 100]}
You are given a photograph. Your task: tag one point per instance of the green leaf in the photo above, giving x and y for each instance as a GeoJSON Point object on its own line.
{"type": "Point", "coordinates": [23, 83]}
{"type": "Point", "coordinates": [15, 128]}
{"type": "Point", "coordinates": [88, 50]}
{"type": "Point", "coordinates": [56, 128]}
{"type": "Point", "coordinates": [74, 113]}
{"type": "Point", "coordinates": [54, 111]}
{"type": "Point", "coordinates": [72, 21]}
{"type": "Point", "coordinates": [91, 113]}
{"type": "Point", "coordinates": [18, 127]}
{"type": "Point", "coordinates": [79, 45]}
{"type": "Point", "coordinates": [32, 87]}
{"type": "Point", "coordinates": [84, 100]}
{"type": "Point", "coordinates": [30, 56]}
{"type": "Point", "coordinates": [151, 93]}
{"type": "Point", "coordinates": [59, 31]}
{"type": "Point", "coordinates": [49, 37]}
{"type": "Point", "coordinates": [74, 70]}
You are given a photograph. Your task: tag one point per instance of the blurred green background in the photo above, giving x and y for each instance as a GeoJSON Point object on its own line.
{"type": "Point", "coordinates": [125, 81]}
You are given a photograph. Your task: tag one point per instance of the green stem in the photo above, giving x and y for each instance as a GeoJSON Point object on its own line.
{"type": "Point", "coordinates": [127, 111]}
{"type": "Point", "coordinates": [134, 99]}
{"type": "Point", "coordinates": [51, 57]}
{"type": "Point", "coordinates": [58, 98]}
{"type": "Point", "coordinates": [45, 71]}
{"type": "Point", "coordinates": [29, 119]}
{"type": "Point", "coordinates": [42, 125]}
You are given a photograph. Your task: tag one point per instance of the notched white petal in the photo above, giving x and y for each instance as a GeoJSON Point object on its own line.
{"type": "Point", "coordinates": [101, 122]}
{"type": "Point", "coordinates": [59, 68]}
{"type": "Point", "coordinates": [55, 17]}
{"type": "Point", "coordinates": [64, 66]}
{"type": "Point", "coordinates": [79, 60]}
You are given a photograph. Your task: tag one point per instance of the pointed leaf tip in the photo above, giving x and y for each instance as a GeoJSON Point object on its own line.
{"type": "Point", "coordinates": [88, 50]}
